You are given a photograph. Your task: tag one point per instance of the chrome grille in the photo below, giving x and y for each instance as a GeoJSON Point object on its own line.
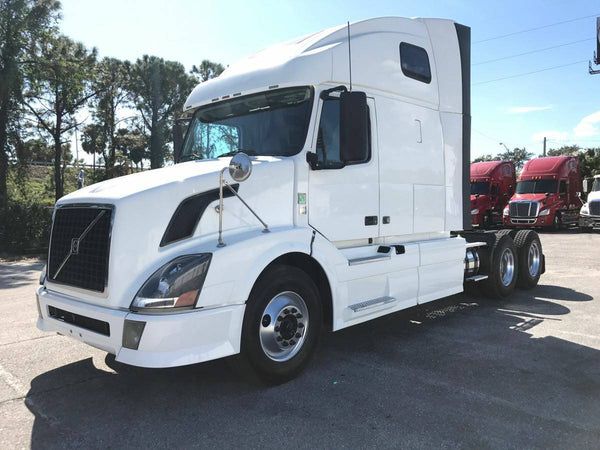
{"type": "Point", "coordinates": [595, 208]}
{"type": "Point", "coordinates": [523, 209]}
{"type": "Point", "coordinates": [79, 246]}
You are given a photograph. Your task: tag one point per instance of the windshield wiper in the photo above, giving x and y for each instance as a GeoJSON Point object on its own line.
{"type": "Point", "coordinates": [247, 152]}
{"type": "Point", "coordinates": [191, 156]}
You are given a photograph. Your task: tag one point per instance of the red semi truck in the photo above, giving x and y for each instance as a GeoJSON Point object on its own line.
{"type": "Point", "coordinates": [492, 185]}
{"type": "Point", "coordinates": [547, 195]}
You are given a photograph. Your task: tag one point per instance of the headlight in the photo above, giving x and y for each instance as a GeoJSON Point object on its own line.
{"type": "Point", "coordinates": [544, 212]}
{"type": "Point", "coordinates": [475, 211]}
{"type": "Point", "coordinates": [585, 209]}
{"type": "Point", "coordinates": [505, 211]}
{"type": "Point", "coordinates": [174, 286]}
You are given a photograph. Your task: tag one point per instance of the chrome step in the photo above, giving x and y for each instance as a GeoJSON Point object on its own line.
{"type": "Point", "coordinates": [476, 244]}
{"type": "Point", "coordinates": [371, 303]}
{"type": "Point", "coordinates": [477, 278]}
{"type": "Point", "coordinates": [368, 259]}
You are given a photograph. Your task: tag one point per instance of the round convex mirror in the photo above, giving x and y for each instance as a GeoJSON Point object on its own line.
{"type": "Point", "coordinates": [240, 167]}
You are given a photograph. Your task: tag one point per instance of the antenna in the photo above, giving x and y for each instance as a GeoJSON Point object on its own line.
{"type": "Point", "coordinates": [349, 57]}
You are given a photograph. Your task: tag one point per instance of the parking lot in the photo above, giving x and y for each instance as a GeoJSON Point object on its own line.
{"type": "Point", "coordinates": [463, 372]}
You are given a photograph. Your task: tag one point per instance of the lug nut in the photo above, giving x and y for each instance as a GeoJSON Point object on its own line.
{"type": "Point", "coordinates": [284, 343]}
{"type": "Point", "coordinates": [298, 335]}
{"type": "Point", "coordinates": [293, 310]}
{"type": "Point", "coordinates": [279, 319]}
{"type": "Point", "coordinates": [286, 311]}
{"type": "Point", "coordinates": [292, 342]}
{"type": "Point", "coordinates": [298, 316]}
{"type": "Point", "coordinates": [276, 328]}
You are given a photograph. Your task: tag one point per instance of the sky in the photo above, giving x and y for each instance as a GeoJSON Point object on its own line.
{"type": "Point", "coordinates": [562, 104]}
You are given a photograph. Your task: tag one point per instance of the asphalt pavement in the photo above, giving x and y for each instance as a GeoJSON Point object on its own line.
{"type": "Point", "coordinates": [463, 372]}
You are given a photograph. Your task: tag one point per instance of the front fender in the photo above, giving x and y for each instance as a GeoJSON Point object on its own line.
{"type": "Point", "coordinates": [235, 267]}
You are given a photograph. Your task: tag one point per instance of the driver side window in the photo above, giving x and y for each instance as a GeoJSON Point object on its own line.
{"type": "Point", "coordinates": [328, 137]}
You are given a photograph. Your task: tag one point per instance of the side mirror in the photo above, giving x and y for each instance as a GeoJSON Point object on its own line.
{"type": "Point", "coordinates": [585, 186]}
{"type": "Point", "coordinates": [353, 127]}
{"type": "Point", "coordinates": [240, 167]}
{"type": "Point", "coordinates": [177, 141]}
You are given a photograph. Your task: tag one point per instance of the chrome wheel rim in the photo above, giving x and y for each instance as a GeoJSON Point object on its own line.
{"type": "Point", "coordinates": [283, 327]}
{"type": "Point", "coordinates": [533, 259]}
{"type": "Point", "coordinates": [507, 266]}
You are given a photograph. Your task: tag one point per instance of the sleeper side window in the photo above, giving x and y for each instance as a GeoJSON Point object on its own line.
{"type": "Point", "coordinates": [563, 187]}
{"type": "Point", "coordinates": [328, 137]}
{"type": "Point", "coordinates": [415, 62]}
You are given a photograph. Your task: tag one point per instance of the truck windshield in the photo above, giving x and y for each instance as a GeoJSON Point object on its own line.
{"type": "Point", "coordinates": [537, 186]}
{"type": "Point", "coordinates": [271, 123]}
{"type": "Point", "coordinates": [480, 187]}
{"type": "Point", "coordinates": [596, 185]}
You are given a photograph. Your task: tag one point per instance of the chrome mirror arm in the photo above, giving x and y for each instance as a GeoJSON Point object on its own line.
{"type": "Point", "coordinates": [222, 183]}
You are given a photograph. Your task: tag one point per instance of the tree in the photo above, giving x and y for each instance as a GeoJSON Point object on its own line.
{"type": "Point", "coordinates": [132, 143]}
{"type": "Point", "coordinates": [565, 150]}
{"type": "Point", "coordinates": [518, 155]}
{"type": "Point", "coordinates": [486, 158]}
{"type": "Point", "coordinates": [110, 83]}
{"type": "Point", "coordinates": [158, 89]}
{"type": "Point", "coordinates": [22, 22]}
{"type": "Point", "coordinates": [93, 139]}
{"type": "Point", "coordinates": [58, 87]}
{"type": "Point", "coordinates": [207, 70]}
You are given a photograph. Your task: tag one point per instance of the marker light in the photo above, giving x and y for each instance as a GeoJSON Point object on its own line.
{"type": "Point", "coordinates": [174, 286]}
{"type": "Point", "coordinates": [475, 211]}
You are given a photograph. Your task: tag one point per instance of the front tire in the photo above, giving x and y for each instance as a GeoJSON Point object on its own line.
{"type": "Point", "coordinates": [282, 324]}
{"type": "Point", "coordinates": [556, 222]}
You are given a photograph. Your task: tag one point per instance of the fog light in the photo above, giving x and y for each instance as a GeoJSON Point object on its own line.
{"type": "Point", "coordinates": [132, 333]}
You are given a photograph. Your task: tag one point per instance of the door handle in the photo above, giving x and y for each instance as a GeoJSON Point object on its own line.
{"type": "Point", "coordinates": [370, 220]}
{"type": "Point", "coordinates": [418, 131]}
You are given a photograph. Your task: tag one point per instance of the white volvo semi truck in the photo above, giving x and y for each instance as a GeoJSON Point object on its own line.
{"type": "Point", "coordinates": [322, 182]}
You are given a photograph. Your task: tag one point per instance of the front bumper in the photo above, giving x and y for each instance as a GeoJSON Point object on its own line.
{"type": "Point", "coordinates": [589, 221]}
{"type": "Point", "coordinates": [167, 340]}
{"type": "Point", "coordinates": [540, 221]}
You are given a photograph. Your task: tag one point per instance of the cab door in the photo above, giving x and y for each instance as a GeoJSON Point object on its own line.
{"type": "Point", "coordinates": [343, 200]}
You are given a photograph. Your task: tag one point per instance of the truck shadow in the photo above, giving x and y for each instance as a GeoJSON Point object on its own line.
{"type": "Point", "coordinates": [470, 369]}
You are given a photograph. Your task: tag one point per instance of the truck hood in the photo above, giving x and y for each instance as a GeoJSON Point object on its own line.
{"type": "Point", "coordinates": [144, 204]}
{"type": "Point", "coordinates": [202, 172]}
{"type": "Point", "coordinates": [478, 202]}
{"type": "Point", "coordinates": [530, 197]}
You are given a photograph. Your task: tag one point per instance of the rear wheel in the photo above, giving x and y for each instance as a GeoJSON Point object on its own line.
{"type": "Point", "coordinates": [529, 249]}
{"type": "Point", "coordinates": [282, 324]}
{"type": "Point", "coordinates": [501, 267]}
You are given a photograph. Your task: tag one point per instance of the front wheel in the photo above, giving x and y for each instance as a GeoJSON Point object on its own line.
{"type": "Point", "coordinates": [282, 324]}
{"type": "Point", "coordinates": [556, 222]}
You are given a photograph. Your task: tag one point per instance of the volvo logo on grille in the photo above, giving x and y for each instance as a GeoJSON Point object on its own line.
{"type": "Point", "coordinates": [75, 246]}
